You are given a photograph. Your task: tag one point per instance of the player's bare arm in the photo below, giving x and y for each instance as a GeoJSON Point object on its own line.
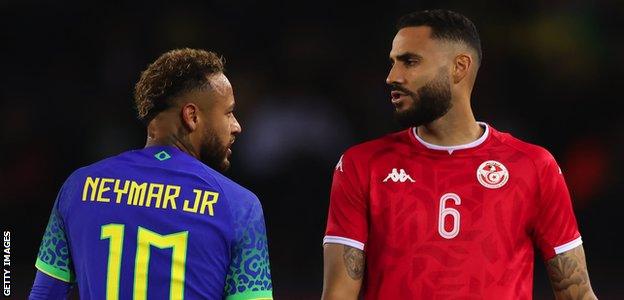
{"type": "Point", "coordinates": [344, 269]}
{"type": "Point", "coordinates": [568, 275]}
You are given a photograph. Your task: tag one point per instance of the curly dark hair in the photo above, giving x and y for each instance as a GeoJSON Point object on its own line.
{"type": "Point", "coordinates": [445, 25]}
{"type": "Point", "coordinates": [174, 73]}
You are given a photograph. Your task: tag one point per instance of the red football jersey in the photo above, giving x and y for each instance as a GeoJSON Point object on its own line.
{"type": "Point", "coordinates": [450, 222]}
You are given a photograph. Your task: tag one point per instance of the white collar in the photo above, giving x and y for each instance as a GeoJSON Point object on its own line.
{"type": "Point", "coordinates": [450, 149]}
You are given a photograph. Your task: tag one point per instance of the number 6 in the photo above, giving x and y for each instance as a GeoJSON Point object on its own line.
{"type": "Point", "coordinates": [446, 212]}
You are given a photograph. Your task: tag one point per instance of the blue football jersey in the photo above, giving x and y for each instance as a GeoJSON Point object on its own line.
{"type": "Point", "coordinates": [157, 223]}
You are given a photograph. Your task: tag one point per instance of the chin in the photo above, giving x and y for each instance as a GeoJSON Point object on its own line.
{"type": "Point", "coordinates": [401, 110]}
{"type": "Point", "coordinates": [225, 165]}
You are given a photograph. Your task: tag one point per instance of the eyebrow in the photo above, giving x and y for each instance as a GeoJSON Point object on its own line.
{"type": "Point", "coordinates": [407, 56]}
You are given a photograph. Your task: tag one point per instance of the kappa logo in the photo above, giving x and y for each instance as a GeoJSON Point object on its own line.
{"type": "Point", "coordinates": [492, 174]}
{"type": "Point", "coordinates": [398, 176]}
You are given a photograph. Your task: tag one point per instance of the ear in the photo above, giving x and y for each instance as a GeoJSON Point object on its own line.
{"type": "Point", "coordinates": [190, 116]}
{"type": "Point", "coordinates": [461, 67]}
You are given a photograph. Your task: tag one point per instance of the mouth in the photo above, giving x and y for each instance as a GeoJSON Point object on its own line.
{"type": "Point", "coordinates": [229, 148]}
{"type": "Point", "coordinates": [397, 97]}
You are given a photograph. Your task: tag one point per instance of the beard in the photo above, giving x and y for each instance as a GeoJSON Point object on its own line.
{"type": "Point", "coordinates": [214, 152]}
{"type": "Point", "coordinates": [430, 102]}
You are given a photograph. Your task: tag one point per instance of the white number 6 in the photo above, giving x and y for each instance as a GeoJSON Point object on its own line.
{"type": "Point", "coordinates": [449, 212]}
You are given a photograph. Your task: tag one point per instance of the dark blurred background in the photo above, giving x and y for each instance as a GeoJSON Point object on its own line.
{"type": "Point", "coordinates": [309, 81]}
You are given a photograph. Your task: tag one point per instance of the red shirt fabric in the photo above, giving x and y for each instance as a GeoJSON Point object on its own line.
{"type": "Point", "coordinates": [455, 222]}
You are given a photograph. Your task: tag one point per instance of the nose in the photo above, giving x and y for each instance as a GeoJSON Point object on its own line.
{"type": "Point", "coordinates": [395, 76]}
{"type": "Point", "coordinates": [236, 127]}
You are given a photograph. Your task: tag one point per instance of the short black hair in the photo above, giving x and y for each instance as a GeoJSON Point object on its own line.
{"type": "Point", "coordinates": [445, 25]}
{"type": "Point", "coordinates": [172, 74]}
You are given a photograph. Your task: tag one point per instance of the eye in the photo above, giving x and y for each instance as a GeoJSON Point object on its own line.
{"type": "Point", "coordinates": [412, 62]}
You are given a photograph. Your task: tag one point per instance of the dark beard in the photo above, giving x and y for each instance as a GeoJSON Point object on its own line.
{"type": "Point", "coordinates": [431, 102]}
{"type": "Point", "coordinates": [213, 153]}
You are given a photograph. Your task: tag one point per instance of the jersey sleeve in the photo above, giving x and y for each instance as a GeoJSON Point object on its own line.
{"type": "Point", "coordinates": [54, 258]}
{"type": "Point", "coordinates": [46, 287]}
{"type": "Point", "coordinates": [347, 221]}
{"type": "Point", "coordinates": [555, 230]}
{"type": "Point", "coordinates": [249, 274]}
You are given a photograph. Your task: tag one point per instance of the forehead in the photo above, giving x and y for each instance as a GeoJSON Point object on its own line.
{"type": "Point", "coordinates": [413, 40]}
{"type": "Point", "coordinates": [220, 84]}
{"type": "Point", "coordinates": [218, 95]}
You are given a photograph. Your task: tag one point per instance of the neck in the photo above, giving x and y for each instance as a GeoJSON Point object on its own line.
{"type": "Point", "coordinates": [158, 134]}
{"type": "Point", "coordinates": [457, 127]}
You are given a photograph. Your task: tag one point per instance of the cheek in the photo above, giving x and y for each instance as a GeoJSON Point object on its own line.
{"type": "Point", "coordinates": [218, 123]}
{"type": "Point", "coordinates": [225, 127]}
{"type": "Point", "coordinates": [413, 83]}
{"type": "Point", "coordinates": [419, 77]}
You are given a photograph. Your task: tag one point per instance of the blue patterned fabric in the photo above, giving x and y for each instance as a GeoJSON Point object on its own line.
{"type": "Point", "coordinates": [249, 269]}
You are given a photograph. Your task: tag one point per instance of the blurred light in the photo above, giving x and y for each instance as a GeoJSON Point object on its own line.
{"type": "Point", "coordinates": [586, 170]}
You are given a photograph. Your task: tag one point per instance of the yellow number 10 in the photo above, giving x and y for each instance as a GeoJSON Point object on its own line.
{"type": "Point", "coordinates": [145, 239]}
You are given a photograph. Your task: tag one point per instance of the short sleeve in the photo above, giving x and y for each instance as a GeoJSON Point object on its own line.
{"type": "Point", "coordinates": [54, 258]}
{"type": "Point", "coordinates": [249, 274]}
{"type": "Point", "coordinates": [347, 221]}
{"type": "Point", "coordinates": [555, 230]}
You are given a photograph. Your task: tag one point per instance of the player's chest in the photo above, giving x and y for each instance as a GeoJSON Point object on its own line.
{"type": "Point", "coordinates": [428, 193]}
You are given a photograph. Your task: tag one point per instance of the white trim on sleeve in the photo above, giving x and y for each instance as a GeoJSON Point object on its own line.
{"type": "Point", "coordinates": [330, 239]}
{"type": "Point", "coordinates": [568, 246]}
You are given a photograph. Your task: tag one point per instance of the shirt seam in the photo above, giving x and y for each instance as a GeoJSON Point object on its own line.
{"type": "Point", "coordinates": [535, 170]}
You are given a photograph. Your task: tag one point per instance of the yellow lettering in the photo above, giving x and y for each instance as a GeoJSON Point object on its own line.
{"type": "Point", "coordinates": [103, 188]}
{"type": "Point", "coordinates": [209, 203]}
{"type": "Point", "coordinates": [90, 184]}
{"type": "Point", "coordinates": [121, 192]}
{"type": "Point", "coordinates": [145, 194]}
{"type": "Point", "coordinates": [170, 197]}
{"type": "Point", "coordinates": [136, 195]}
{"type": "Point", "coordinates": [151, 194]}
{"type": "Point", "coordinates": [195, 205]}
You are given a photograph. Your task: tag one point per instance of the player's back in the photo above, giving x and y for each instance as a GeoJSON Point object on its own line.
{"type": "Point", "coordinates": [157, 223]}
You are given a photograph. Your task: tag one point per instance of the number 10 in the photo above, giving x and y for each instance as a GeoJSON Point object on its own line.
{"type": "Point", "coordinates": [145, 239]}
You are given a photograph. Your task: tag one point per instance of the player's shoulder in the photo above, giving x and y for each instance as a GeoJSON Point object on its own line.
{"type": "Point", "coordinates": [93, 168]}
{"type": "Point", "coordinates": [534, 152]}
{"type": "Point", "coordinates": [380, 145]}
{"type": "Point", "coordinates": [105, 164]}
{"type": "Point", "coordinates": [73, 183]}
{"type": "Point", "coordinates": [228, 186]}
{"type": "Point", "coordinates": [168, 161]}
{"type": "Point", "coordinates": [241, 202]}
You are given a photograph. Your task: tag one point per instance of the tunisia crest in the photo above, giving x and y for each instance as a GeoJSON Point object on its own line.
{"type": "Point", "coordinates": [492, 174]}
